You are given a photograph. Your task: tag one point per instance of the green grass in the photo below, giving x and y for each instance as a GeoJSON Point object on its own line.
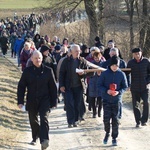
{"type": "Point", "coordinates": [22, 4]}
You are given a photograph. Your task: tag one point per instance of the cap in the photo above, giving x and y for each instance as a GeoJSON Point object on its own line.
{"type": "Point", "coordinates": [115, 61]}
{"type": "Point", "coordinates": [135, 50]}
{"type": "Point", "coordinates": [44, 48]}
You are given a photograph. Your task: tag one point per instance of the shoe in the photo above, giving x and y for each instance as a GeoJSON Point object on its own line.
{"type": "Point", "coordinates": [106, 138]}
{"type": "Point", "coordinates": [75, 125]}
{"type": "Point", "coordinates": [99, 115]}
{"type": "Point", "coordinates": [114, 142]}
{"type": "Point", "coordinates": [94, 116]}
{"type": "Point", "coordinates": [33, 142]}
{"type": "Point", "coordinates": [45, 144]}
{"type": "Point", "coordinates": [143, 124]}
{"type": "Point", "coordinates": [137, 125]}
{"type": "Point", "coordinates": [70, 126]}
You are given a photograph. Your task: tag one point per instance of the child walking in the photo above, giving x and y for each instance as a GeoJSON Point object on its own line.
{"type": "Point", "coordinates": [112, 83]}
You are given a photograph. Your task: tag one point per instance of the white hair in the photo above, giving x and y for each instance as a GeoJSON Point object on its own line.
{"type": "Point", "coordinates": [74, 46]}
{"type": "Point", "coordinates": [94, 48]}
{"type": "Point", "coordinates": [114, 50]}
{"type": "Point", "coordinates": [36, 52]}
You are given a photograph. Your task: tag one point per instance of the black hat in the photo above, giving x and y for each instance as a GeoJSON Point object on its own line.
{"type": "Point", "coordinates": [115, 61]}
{"type": "Point", "coordinates": [44, 48]}
{"type": "Point", "coordinates": [135, 50]}
{"type": "Point", "coordinates": [97, 38]}
{"type": "Point", "coordinates": [57, 47]}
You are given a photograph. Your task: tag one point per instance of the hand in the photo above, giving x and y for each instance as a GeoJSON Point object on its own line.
{"type": "Point", "coordinates": [109, 92]}
{"type": "Point", "coordinates": [115, 93]}
{"type": "Point", "coordinates": [20, 106]}
{"type": "Point", "coordinates": [98, 73]}
{"type": "Point", "coordinates": [62, 89]}
{"type": "Point", "coordinates": [80, 73]}
{"type": "Point", "coordinates": [148, 86]}
{"type": "Point", "coordinates": [128, 89]}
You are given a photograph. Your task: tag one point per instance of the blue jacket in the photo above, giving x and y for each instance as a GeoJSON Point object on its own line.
{"type": "Point", "coordinates": [108, 77]}
{"type": "Point", "coordinates": [18, 45]}
{"type": "Point", "coordinates": [94, 91]}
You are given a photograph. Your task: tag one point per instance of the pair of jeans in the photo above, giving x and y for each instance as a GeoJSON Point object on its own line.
{"type": "Point", "coordinates": [136, 100]}
{"type": "Point", "coordinates": [111, 116]}
{"type": "Point", "coordinates": [73, 96]}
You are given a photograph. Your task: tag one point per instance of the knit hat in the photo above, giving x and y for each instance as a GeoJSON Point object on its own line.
{"type": "Point", "coordinates": [57, 47]}
{"type": "Point", "coordinates": [97, 38]}
{"type": "Point", "coordinates": [135, 50]}
{"type": "Point", "coordinates": [44, 48]}
{"type": "Point", "coordinates": [115, 61]}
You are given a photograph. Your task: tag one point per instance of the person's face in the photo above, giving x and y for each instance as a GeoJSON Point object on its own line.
{"type": "Point", "coordinates": [75, 52]}
{"type": "Point", "coordinates": [112, 53]}
{"type": "Point", "coordinates": [45, 53]}
{"type": "Point", "coordinates": [37, 59]}
{"type": "Point", "coordinates": [26, 47]}
{"type": "Point", "coordinates": [110, 45]}
{"type": "Point", "coordinates": [114, 68]}
{"type": "Point", "coordinates": [97, 59]}
{"type": "Point", "coordinates": [137, 55]}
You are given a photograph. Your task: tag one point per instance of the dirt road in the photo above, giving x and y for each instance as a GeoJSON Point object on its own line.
{"type": "Point", "coordinates": [89, 134]}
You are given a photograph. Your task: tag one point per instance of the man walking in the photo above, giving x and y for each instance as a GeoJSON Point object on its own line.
{"type": "Point", "coordinates": [140, 79]}
{"type": "Point", "coordinates": [41, 88]}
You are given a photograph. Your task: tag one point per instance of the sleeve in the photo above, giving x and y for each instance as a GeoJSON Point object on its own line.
{"type": "Point", "coordinates": [62, 74]}
{"type": "Point", "coordinates": [148, 73]}
{"type": "Point", "coordinates": [128, 74]}
{"type": "Point", "coordinates": [53, 90]}
{"type": "Point", "coordinates": [100, 83]}
{"type": "Point", "coordinates": [22, 84]}
{"type": "Point", "coordinates": [124, 84]}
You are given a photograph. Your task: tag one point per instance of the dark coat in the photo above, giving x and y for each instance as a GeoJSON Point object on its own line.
{"type": "Point", "coordinates": [140, 74]}
{"type": "Point", "coordinates": [41, 88]}
{"type": "Point", "coordinates": [4, 42]}
{"type": "Point", "coordinates": [65, 72]}
{"type": "Point", "coordinates": [108, 77]}
{"type": "Point", "coordinates": [24, 56]}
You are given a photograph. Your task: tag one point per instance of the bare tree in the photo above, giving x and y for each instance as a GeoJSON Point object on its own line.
{"type": "Point", "coordinates": [130, 11]}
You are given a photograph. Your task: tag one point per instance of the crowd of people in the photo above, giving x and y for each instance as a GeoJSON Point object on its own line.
{"type": "Point", "coordinates": [46, 61]}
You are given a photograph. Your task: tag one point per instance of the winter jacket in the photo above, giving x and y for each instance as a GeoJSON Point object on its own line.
{"type": "Point", "coordinates": [140, 74]}
{"type": "Point", "coordinates": [24, 56]}
{"type": "Point", "coordinates": [65, 72]}
{"type": "Point", "coordinates": [94, 91]}
{"type": "Point", "coordinates": [18, 45]}
{"type": "Point", "coordinates": [108, 77]}
{"type": "Point", "coordinates": [41, 88]}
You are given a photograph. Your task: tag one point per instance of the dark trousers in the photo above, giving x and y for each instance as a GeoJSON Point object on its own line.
{"type": "Point", "coordinates": [39, 130]}
{"type": "Point", "coordinates": [4, 50]}
{"type": "Point", "coordinates": [136, 99]}
{"type": "Point", "coordinates": [96, 101]}
{"type": "Point", "coordinates": [73, 102]}
{"type": "Point", "coordinates": [111, 117]}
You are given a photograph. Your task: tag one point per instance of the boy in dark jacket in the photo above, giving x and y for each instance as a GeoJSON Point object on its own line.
{"type": "Point", "coordinates": [112, 84]}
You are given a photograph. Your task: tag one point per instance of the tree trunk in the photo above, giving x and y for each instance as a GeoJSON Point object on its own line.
{"type": "Point", "coordinates": [146, 49]}
{"type": "Point", "coordinates": [93, 22]}
{"type": "Point", "coordinates": [130, 11]}
{"type": "Point", "coordinates": [100, 20]}
{"type": "Point", "coordinates": [143, 24]}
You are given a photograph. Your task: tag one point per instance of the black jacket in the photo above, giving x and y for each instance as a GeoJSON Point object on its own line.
{"type": "Point", "coordinates": [65, 72]}
{"type": "Point", "coordinates": [140, 74]}
{"type": "Point", "coordinates": [41, 88]}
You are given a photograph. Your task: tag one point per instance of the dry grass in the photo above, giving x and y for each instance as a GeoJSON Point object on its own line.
{"type": "Point", "coordinates": [12, 121]}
